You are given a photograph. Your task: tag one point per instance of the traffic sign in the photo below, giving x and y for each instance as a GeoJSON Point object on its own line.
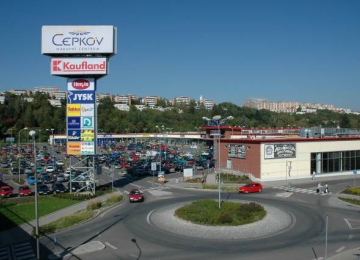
{"type": "Point", "coordinates": [355, 172]}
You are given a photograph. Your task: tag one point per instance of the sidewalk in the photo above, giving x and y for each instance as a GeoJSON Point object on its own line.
{"type": "Point", "coordinates": [20, 233]}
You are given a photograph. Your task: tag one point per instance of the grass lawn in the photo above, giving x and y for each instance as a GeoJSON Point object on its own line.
{"type": "Point", "coordinates": [13, 213]}
{"type": "Point", "coordinates": [352, 201]}
{"type": "Point", "coordinates": [206, 212]}
{"type": "Point", "coordinates": [352, 191]}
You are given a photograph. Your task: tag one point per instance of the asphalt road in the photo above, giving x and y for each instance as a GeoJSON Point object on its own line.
{"type": "Point", "coordinates": [127, 232]}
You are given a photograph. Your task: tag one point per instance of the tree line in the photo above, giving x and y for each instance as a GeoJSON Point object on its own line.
{"type": "Point", "coordinates": [17, 113]}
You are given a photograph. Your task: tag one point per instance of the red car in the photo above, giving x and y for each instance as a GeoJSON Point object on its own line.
{"type": "Point", "coordinates": [24, 190]}
{"type": "Point", "coordinates": [251, 187]}
{"type": "Point", "coordinates": [135, 195]}
{"type": "Point", "coordinates": [5, 191]}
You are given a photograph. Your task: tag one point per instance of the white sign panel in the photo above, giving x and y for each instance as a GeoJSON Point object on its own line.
{"type": "Point", "coordinates": [188, 173]}
{"type": "Point", "coordinates": [82, 84]}
{"type": "Point", "coordinates": [87, 110]}
{"type": "Point", "coordinates": [60, 40]}
{"type": "Point", "coordinates": [78, 66]}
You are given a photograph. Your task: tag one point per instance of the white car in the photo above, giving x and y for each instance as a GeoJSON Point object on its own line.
{"type": "Point", "coordinates": [50, 168]}
{"type": "Point", "coordinates": [59, 162]}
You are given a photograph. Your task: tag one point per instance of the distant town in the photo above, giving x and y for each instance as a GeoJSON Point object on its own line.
{"type": "Point", "coordinates": [123, 102]}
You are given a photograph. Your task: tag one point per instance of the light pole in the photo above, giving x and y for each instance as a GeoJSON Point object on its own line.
{"type": "Point", "coordinates": [32, 133]}
{"type": "Point", "coordinates": [218, 121]}
{"type": "Point", "coordinates": [19, 150]}
{"type": "Point", "coordinates": [52, 145]}
{"type": "Point", "coordinates": [160, 148]}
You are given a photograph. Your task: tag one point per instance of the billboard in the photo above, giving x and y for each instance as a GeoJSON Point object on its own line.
{"type": "Point", "coordinates": [81, 97]}
{"type": "Point", "coordinates": [65, 40]}
{"type": "Point", "coordinates": [87, 122]}
{"type": "Point", "coordinates": [237, 151]}
{"type": "Point", "coordinates": [78, 66]}
{"type": "Point", "coordinates": [279, 151]}
{"type": "Point", "coordinates": [73, 122]}
{"type": "Point", "coordinates": [74, 148]}
{"type": "Point", "coordinates": [80, 84]}
{"type": "Point", "coordinates": [73, 109]}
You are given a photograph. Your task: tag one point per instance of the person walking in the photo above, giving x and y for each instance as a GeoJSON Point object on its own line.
{"type": "Point", "coordinates": [326, 188]}
{"type": "Point", "coordinates": [319, 189]}
{"type": "Point", "coordinates": [313, 175]}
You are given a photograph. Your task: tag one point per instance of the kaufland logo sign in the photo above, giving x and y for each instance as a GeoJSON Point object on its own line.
{"type": "Point", "coordinates": [78, 66]}
{"type": "Point", "coordinates": [83, 84]}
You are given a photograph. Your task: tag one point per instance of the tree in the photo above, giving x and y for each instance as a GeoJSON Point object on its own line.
{"type": "Point", "coordinates": [345, 121]}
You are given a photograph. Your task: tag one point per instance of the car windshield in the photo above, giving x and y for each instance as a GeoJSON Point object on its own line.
{"type": "Point", "coordinates": [6, 189]}
{"type": "Point", "coordinates": [135, 193]}
{"type": "Point", "coordinates": [25, 188]}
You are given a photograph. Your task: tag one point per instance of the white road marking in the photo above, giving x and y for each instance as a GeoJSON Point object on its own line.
{"type": "Point", "coordinates": [284, 194]}
{"type": "Point", "coordinates": [319, 258]}
{"type": "Point", "coordinates": [148, 216]}
{"type": "Point", "coordinates": [340, 249]}
{"type": "Point", "coordinates": [110, 245]}
{"type": "Point", "coordinates": [350, 237]}
{"type": "Point", "coordinates": [349, 224]}
{"type": "Point", "coordinates": [137, 186]}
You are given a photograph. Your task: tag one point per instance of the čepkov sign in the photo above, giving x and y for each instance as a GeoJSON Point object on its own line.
{"type": "Point", "coordinates": [62, 40]}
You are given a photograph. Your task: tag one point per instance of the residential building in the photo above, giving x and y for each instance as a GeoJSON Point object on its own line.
{"type": "Point", "coordinates": [100, 96]}
{"type": "Point", "coordinates": [59, 95]}
{"type": "Point", "coordinates": [150, 101]}
{"type": "Point", "coordinates": [122, 107]}
{"type": "Point", "coordinates": [47, 90]}
{"type": "Point", "coordinates": [180, 101]}
{"type": "Point", "coordinates": [2, 100]}
{"type": "Point", "coordinates": [123, 99]}
{"type": "Point", "coordinates": [55, 102]}
{"type": "Point", "coordinates": [208, 104]}
{"type": "Point", "coordinates": [20, 92]}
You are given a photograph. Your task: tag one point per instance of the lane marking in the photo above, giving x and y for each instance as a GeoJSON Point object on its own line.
{"type": "Point", "coordinates": [110, 245]}
{"type": "Point", "coordinates": [350, 237]}
{"type": "Point", "coordinates": [340, 249]}
{"type": "Point", "coordinates": [148, 216]}
{"type": "Point", "coordinates": [137, 186]}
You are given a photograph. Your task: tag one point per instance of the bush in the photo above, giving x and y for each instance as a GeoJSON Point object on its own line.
{"type": "Point", "coordinates": [352, 191]}
{"type": "Point", "coordinates": [44, 230]}
{"type": "Point", "coordinates": [74, 196]}
{"type": "Point", "coordinates": [92, 205]}
{"type": "Point", "coordinates": [115, 198]}
{"type": "Point", "coordinates": [225, 218]}
{"type": "Point", "coordinates": [232, 178]}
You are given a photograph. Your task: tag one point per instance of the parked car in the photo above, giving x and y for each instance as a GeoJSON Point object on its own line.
{"type": "Point", "coordinates": [6, 191]}
{"type": "Point", "coordinates": [58, 187]}
{"type": "Point", "coordinates": [50, 168]}
{"type": "Point", "coordinates": [39, 169]}
{"type": "Point", "coordinates": [24, 190]}
{"type": "Point", "coordinates": [31, 179]}
{"type": "Point", "coordinates": [135, 195]}
{"type": "Point", "coordinates": [43, 189]}
{"type": "Point", "coordinates": [28, 171]}
{"type": "Point", "coordinates": [75, 186]}
{"type": "Point", "coordinates": [46, 178]}
{"type": "Point", "coordinates": [60, 178]}
{"type": "Point", "coordinates": [251, 187]}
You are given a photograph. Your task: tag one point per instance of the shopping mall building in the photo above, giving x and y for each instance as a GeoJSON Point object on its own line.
{"type": "Point", "coordinates": [280, 154]}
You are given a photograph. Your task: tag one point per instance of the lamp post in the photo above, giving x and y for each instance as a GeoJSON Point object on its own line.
{"type": "Point", "coordinates": [218, 121]}
{"type": "Point", "coordinates": [52, 145]}
{"type": "Point", "coordinates": [160, 147]}
{"type": "Point", "coordinates": [19, 150]}
{"type": "Point", "coordinates": [32, 133]}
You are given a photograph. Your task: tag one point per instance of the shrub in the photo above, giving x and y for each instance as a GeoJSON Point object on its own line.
{"type": "Point", "coordinates": [46, 229]}
{"type": "Point", "coordinates": [114, 199]}
{"type": "Point", "coordinates": [92, 205]}
{"type": "Point", "coordinates": [352, 191]}
{"type": "Point", "coordinates": [74, 196]}
{"type": "Point", "coordinates": [225, 218]}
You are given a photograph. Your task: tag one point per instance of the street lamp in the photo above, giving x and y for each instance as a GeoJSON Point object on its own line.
{"type": "Point", "coordinates": [32, 133]}
{"type": "Point", "coordinates": [218, 121]}
{"type": "Point", "coordinates": [159, 147]}
{"type": "Point", "coordinates": [19, 150]}
{"type": "Point", "coordinates": [52, 145]}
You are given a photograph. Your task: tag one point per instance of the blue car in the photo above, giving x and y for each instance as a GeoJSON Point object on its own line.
{"type": "Point", "coordinates": [31, 179]}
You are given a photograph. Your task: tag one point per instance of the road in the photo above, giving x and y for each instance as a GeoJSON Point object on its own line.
{"type": "Point", "coordinates": [128, 233]}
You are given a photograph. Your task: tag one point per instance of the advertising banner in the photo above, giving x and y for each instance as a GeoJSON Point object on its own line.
{"type": "Point", "coordinates": [74, 148]}
{"type": "Point", "coordinates": [73, 110]}
{"type": "Point", "coordinates": [78, 66]}
{"type": "Point", "coordinates": [87, 148]}
{"type": "Point", "coordinates": [87, 110]}
{"type": "Point", "coordinates": [87, 135]}
{"type": "Point", "coordinates": [80, 84]}
{"type": "Point", "coordinates": [81, 97]}
{"type": "Point", "coordinates": [87, 122]}
{"type": "Point", "coordinates": [74, 135]}
{"type": "Point", "coordinates": [73, 122]}
{"type": "Point", "coordinates": [237, 151]}
{"type": "Point", "coordinates": [62, 40]}
{"type": "Point", "coordinates": [279, 151]}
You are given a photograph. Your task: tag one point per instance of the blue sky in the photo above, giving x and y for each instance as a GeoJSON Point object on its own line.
{"type": "Point", "coordinates": [297, 50]}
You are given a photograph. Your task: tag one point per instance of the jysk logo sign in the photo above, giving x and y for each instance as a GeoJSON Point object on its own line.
{"type": "Point", "coordinates": [87, 122]}
{"type": "Point", "coordinates": [73, 122]}
{"type": "Point", "coordinates": [74, 135]}
{"type": "Point", "coordinates": [81, 97]}
{"type": "Point", "coordinates": [81, 84]}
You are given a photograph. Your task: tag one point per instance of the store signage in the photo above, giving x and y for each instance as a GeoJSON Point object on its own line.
{"type": "Point", "coordinates": [73, 122]}
{"type": "Point", "coordinates": [87, 110]}
{"type": "Point", "coordinates": [87, 122]}
{"type": "Point", "coordinates": [87, 135]}
{"type": "Point", "coordinates": [87, 148]}
{"type": "Point", "coordinates": [81, 97]}
{"type": "Point", "coordinates": [61, 40]}
{"type": "Point", "coordinates": [78, 66]}
{"type": "Point", "coordinates": [81, 84]}
{"type": "Point", "coordinates": [74, 148]}
{"type": "Point", "coordinates": [74, 135]}
{"type": "Point", "coordinates": [73, 109]}
{"type": "Point", "coordinates": [237, 151]}
{"type": "Point", "coordinates": [279, 151]}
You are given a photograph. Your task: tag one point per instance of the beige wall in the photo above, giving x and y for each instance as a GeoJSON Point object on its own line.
{"type": "Point", "coordinates": [300, 166]}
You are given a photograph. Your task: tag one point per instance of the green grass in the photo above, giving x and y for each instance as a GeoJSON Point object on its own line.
{"type": "Point", "coordinates": [16, 180]}
{"type": "Point", "coordinates": [113, 199]}
{"type": "Point", "coordinates": [65, 222]}
{"type": "Point", "coordinates": [14, 213]}
{"type": "Point", "coordinates": [352, 201]}
{"type": "Point", "coordinates": [206, 212]}
{"type": "Point", "coordinates": [352, 191]}
{"type": "Point", "coordinates": [223, 188]}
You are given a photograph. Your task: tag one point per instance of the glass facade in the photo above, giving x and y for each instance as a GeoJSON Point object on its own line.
{"type": "Point", "coordinates": [336, 161]}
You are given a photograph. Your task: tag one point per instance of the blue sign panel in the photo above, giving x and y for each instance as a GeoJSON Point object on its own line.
{"type": "Point", "coordinates": [73, 122]}
{"type": "Point", "coordinates": [74, 135]}
{"type": "Point", "coordinates": [81, 97]}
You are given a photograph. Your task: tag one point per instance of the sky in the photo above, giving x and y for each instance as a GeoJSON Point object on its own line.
{"type": "Point", "coordinates": [225, 50]}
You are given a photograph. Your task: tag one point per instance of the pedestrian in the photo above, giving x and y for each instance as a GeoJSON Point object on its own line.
{"type": "Point", "coordinates": [326, 188]}
{"type": "Point", "coordinates": [313, 175]}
